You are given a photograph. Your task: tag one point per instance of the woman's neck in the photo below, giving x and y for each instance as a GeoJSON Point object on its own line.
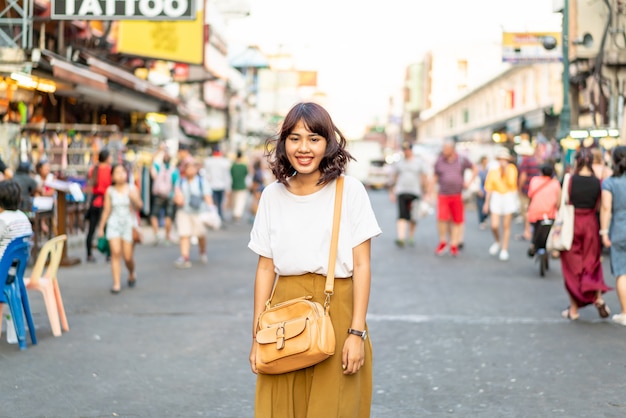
{"type": "Point", "coordinates": [302, 185]}
{"type": "Point", "coordinates": [585, 171]}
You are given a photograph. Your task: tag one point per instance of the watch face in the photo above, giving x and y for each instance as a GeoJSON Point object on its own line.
{"type": "Point", "coordinates": [364, 336]}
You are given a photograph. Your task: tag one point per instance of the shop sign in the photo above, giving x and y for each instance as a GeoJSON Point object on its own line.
{"type": "Point", "coordinates": [123, 10]}
{"type": "Point", "coordinates": [531, 47]}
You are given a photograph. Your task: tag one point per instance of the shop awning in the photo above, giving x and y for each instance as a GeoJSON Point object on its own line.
{"type": "Point", "coordinates": [119, 99]}
{"type": "Point", "coordinates": [192, 129]}
{"type": "Point", "coordinates": [70, 72]}
{"type": "Point", "coordinates": [129, 80]}
{"type": "Point", "coordinates": [78, 75]}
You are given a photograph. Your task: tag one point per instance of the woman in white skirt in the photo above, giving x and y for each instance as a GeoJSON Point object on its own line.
{"type": "Point", "coordinates": [501, 202]}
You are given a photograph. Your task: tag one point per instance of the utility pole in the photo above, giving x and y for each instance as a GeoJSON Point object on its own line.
{"type": "Point", "coordinates": [565, 119]}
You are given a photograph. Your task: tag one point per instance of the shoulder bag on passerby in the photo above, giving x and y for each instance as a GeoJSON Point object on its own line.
{"type": "Point", "coordinates": [299, 333]}
{"type": "Point", "coordinates": [562, 232]}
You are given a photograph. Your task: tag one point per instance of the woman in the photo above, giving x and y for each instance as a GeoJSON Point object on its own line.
{"type": "Point", "coordinates": [193, 195]}
{"type": "Point", "coordinates": [292, 226]}
{"type": "Point", "coordinates": [600, 169]}
{"type": "Point", "coordinates": [613, 225]}
{"type": "Point", "coordinates": [99, 180]}
{"type": "Point", "coordinates": [581, 266]}
{"type": "Point", "coordinates": [121, 200]}
{"type": "Point", "coordinates": [501, 202]}
{"type": "Point", "coordinates": [544, 192]}
{"type": "Point", "coordinates": [43, 175]}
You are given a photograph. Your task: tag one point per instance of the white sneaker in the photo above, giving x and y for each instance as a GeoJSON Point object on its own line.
{"type": "Point", "coordinates": [204, 259]}
{"type": "Point", "coordinates": [181, 263]}
{"type": "Point", "coordinates": [504, 255]}
{"type": "Point", "coordinates": [495, 247]}
{"type": "Point", "coordinates": [619, 319]}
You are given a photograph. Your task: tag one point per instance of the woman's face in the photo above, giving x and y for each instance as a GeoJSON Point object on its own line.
{"type": "Point", "coordinates": [119, 175]}
{"type": "Point", "coordinates": [44, 170]}
{"type": "Point", "coordinates": [305, 149]}
{"type": "Point", "coordinates": [191, 170]}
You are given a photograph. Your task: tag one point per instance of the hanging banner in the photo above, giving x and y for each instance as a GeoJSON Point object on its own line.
{"type": "Point", "coordinates": [123, 10]}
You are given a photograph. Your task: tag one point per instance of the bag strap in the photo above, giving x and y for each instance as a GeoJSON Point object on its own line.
{"type": "Point", "coordinates": [567, 183]}
{"type": "Point", "coordinates": [334, 240]}
{"type": "Point", "coordinates": [334, 244]}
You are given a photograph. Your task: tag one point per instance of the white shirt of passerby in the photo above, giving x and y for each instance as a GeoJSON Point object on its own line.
{"type": "Point", "coordinates": [217, 171]}
{"type": "Point", "coordinates": [295, 231]}
{"type": "Point", "coordinates": [410, 174]}
{"type": "Point", "coordinates": [13, 224]}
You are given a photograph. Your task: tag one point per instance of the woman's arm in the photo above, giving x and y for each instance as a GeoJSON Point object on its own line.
{"type": "Point", "coordinates": [353, 353]}
{"type": "Point", "coordinates": [106, 211]}
{"type": "Point", "coordinates": [605, 216]}
{"type": "Point", "coordinates": [133, 194]}
{"type": "Point", "coordinates": [263, 284]}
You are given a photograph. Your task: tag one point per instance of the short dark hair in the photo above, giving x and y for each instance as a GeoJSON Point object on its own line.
{"type": "Point", "coordinates": [10, 195]}
{"type": "Point", "coordinates": [619, 160]}
{"type": "Point", "coordinates": [317, 120]}
{"type": "Point", "coordinates": [103, 156]}
{"type": "Point", "coordinates": [23, 167]}
{"type": "Point", "coordinates": [547, 170]}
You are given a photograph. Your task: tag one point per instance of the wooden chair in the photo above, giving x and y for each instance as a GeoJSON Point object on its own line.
{"type": "Point", "coordinates": [47, 283]}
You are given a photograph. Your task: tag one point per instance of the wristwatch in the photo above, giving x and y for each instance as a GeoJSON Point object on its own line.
{"type": "Point", "coordinates": [362, 334]}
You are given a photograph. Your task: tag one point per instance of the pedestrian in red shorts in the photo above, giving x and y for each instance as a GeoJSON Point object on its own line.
{"type": "Point", "coordinates": [449, 175]}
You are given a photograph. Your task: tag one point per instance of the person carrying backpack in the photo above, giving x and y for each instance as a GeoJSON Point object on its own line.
{"type": "Point", "coordinates": [164, 176]}
{"type": "Point", "coordinates": [193, 196]}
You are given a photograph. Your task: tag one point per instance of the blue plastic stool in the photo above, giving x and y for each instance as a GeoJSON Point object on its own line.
{"type": "Point", "coordinates": [14, 293]}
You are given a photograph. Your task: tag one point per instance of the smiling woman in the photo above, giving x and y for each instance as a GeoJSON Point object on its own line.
{"type": "Point", "coordinates": [294, 221]}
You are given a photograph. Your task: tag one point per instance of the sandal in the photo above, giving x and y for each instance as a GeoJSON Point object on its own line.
{"type": "Point", "coordinates": [603, 310]}
{"type": "Point", "coordinates": [115, 291]}
{"type": "Point", "coordinates": [131, 282]}
{"type": "Point", "coordinates": [567, 314]}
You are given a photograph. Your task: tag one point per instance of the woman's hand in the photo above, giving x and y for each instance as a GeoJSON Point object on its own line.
{"type": "Point", "coordinates": [253, 357]}
{"type": "Point", "coordinates": [486, 208]}
{"type": "Point", "coordinates": [353, 354]}
{"type": "Point", "coordinates": [100, 232]}
{"type": "Point", "coordinates": [606, 241]}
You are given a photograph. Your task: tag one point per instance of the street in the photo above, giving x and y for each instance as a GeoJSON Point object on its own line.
{"type": "Point", "coordinates": [464, 337]}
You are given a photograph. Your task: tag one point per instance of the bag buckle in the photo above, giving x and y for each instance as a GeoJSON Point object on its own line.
{"type": "Point", "coordinates": [280, 336]}
{"type": "Point", "coordinates": [327, 301]}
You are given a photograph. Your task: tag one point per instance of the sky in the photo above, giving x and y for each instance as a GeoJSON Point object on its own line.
{"type": "Point", "coordinates": [361, 48]}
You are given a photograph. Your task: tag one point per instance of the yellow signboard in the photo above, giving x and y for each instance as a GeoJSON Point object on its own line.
{"type": "Point", "coordinates": [180, 41]}
{"type": "Point", "coordinates": [531, 47]}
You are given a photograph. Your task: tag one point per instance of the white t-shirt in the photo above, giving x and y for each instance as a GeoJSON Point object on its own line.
{"type": "Point", "coordinates": [13, 224]}
{"type": "Point", "coordinates": [218, 172]}
{"type": "Point", "coordinates": [295, 231]}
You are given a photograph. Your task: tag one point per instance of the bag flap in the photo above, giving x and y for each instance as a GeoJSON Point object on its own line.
{"type": "Point", "coordinates": [279, 332]}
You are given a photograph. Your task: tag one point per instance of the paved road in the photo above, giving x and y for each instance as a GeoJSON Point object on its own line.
{"type": "Point", "coordinates": [464, 337]}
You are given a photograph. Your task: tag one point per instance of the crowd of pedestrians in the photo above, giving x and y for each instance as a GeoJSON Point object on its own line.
{"type": "Point", "coordinates": [519, 183]}
{"type": "Point", "coordinates": [182, 191]}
